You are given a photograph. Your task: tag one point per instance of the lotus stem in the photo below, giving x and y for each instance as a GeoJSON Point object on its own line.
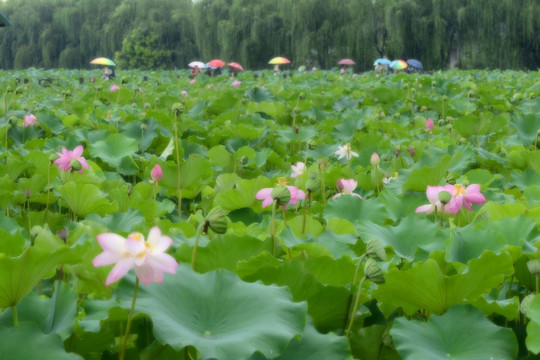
{"type": "Point", "coordinates": [355, 307]}
{"type": "Point", "coordinates": [537, 282]}
{"type": "Point", "coordinates": [178, 165]}
{"type": "Point", "coordinates": [197, 236]}
{"type": "Point", "coordinates": [274, 205]}
{"type": "Point", "coordinates": [130, 316]}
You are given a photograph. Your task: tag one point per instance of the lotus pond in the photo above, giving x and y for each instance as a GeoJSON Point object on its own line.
{"type": "Point", "coordinates": [300, 217]}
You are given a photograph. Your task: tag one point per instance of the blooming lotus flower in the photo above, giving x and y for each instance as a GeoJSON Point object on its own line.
{"type": "Point", "coordinates": [464, 196]}
{"type": "Point", "coordinates": [30, 120]}
{"type": "Point", "coordinates": [375, 159]}
{"type": "Point", "coordinates": [429, 125]}
{"type": "Point", "coordinates": [236, 83]}
{"type": "Point", "coordinates": [432, 193]}
{"type": "Point", "coordinates": [147, 257]}
{"type": "Point", "coordinates": [184, 93]}
{"type": "Point", "coordinates": [156, 173]}
{"type": "Point", "coordinates": [265, 195]}
{"type": "Point", "coordinates": [114, 88]}
{"type": "Point", "coordinates": [345, 152]}
{"type": "Point", "coordinates": [298, 170]}
{"type": "Point", "coordinates": [72, 159]}
{"type": "Point", "coordinates": [346, 187]}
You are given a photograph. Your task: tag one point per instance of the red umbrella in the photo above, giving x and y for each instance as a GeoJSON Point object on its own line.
{"type": "Point", "coordinates": [217, 63]}
{"type": "Point", "coordinates": [346, 62]}
{"type": "Point", "coordinates": [236, 66]}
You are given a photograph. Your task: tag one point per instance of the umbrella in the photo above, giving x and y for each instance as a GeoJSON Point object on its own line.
{"type": "Point", "coordinates": [381, 62]}
{"type": "Point", "coordinates": [216, 63]}
{"type": "Point", "coordinates": [4, 21]}
{"type": "Point", "coordinates": [103, 61]}
{"type": "Point", "coordinates": [346, 62]}
{"type": "Point", "coordinates": [198, 64]}
{"type": "Point", "coordinates": [415, 64]}
{"type": "Point", "coordinates": [398, 65]}
{"type": "Point", "coordinates": [279, 60]}
{"type": "Point", "coordinates": [236, 66]}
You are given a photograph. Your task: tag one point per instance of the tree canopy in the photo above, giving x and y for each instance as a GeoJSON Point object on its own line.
{"type": "Point", "coordinates": [171, 33]}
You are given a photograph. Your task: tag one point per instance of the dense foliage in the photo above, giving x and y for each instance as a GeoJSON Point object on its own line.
{"type": "Point", "coordinates": [441, 33]}
{"type": "Point", "coordinates": [350, 261]}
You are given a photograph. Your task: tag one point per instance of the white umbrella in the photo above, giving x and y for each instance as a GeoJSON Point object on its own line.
{"type": "Point", "coordinates": [198, 64]}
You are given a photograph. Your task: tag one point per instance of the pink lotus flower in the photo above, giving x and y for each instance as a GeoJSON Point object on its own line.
{"type": "Point", "coordinates": [30, 120]}
{"type": "Point", "coordinates": [375, 159]}
{"type": "Point", "coordinates": [114, 88]}
{"type": "Point", "coordinates": [346, 187]}
{"type": "Point", "coordinates": [345, 152]}
{"type": "Point", "coordinates": [92, 79]}
{"type": "Point", "coordinates": [265, 195]}
{"type": "Point", "coordinates": [147, 257]}
{"type": "Point", "coordinates": [156, 173]}
{"type": "Point", "coordinates": [464, 196]}
{"type": "Point", "coordinates": [298, 170]}
{"type": "Point", "coordinates": [184, 93]}
{"type": "Point", "coordinates": [72, 159]}
{"type": "Point", "coordinates": [432, 193]}
{"type": "Point", "coordinates": [236, 83]}
{"type": "Point", "coordinates": [429, 125]}
{"type": "Point", "coordinates": [193, 82]}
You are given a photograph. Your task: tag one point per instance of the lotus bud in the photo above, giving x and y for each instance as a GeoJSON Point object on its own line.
{"type": "Point", "coordinates": [281, 193]}
{"type": "Point", "coordinates": [217, 220]}
{"type": "Point", "coordinates": [445, 197]}
{"type": "Point", "coordinates": [526, 303]}
{"type": "Point", "coordinates": [178, 108]}
{"type": "Point", "coordinates": [373, 271]}
{"type": "Point", "coordinates": [27, 193]}
{"type": "Point", "coordinates": [534, 266]}
{"type": "Point", "coordinates": [429, 124]}
{"type": "Point", "coordinates": [411, 151]}
{"type": "Point", "coordinates": [375, 160]}
{"type": "Point", "coordinates": [156, 173]}
{"type": "Point", "coordinates": [75, 165]}
{"type": "Point", "coordinates": [63, 234]}
{"type": "Point", "coordinates": [375, 250]}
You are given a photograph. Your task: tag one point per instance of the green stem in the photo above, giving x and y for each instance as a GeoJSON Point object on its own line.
{"type": "Point", "coordinates": [130, 316]}
{"type": "Point", "coordinates": [358, 269]}
{"type": "Point", "coordinates": [355, 307]}
{"type": "Point", "coordinates": [537, 282]}
{"type": "Point", "coordinates": [274, 205]}
{"type": "Point", "coordinates": [178, 166]}
{"type": "Point", "coordinates": [15, 316]}
{"type": "Point", "coordinates": [284, 215]}
{"type": "Point", "coordinates": [194, 252]}
{"type": "Point", "coordinates": [304, 214]}
{"type": "Point", "coordinates": [48, 191]}
{"type": "Point", "coordinates": [323, 185]}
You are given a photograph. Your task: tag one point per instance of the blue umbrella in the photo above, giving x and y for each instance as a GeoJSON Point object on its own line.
{"type": "Point", "coordinates": [415, 64]}
{"type": "Point", "coordinates": [382, 62]}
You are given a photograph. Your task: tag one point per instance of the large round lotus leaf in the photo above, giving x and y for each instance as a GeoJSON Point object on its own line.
{"type": "Point", "coordinates": [220, 315]}
{"type": "Point", "coordinates": [463, 333]}
{"type": "Point", "coordinates": [26, 341]}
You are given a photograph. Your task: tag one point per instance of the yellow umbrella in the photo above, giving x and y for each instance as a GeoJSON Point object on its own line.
{"type": "Point", "coordinates": [279, 60]}
{"type": "Point", "coordinates": [103, 61]}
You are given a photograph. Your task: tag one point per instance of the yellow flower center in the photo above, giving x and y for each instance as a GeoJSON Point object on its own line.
{"type": "Point", "coordinates": [140, 238]}
{"type": "Point", "coordinates": [282, 181]}
{"type": "Point", "coordinates": [459, 190]}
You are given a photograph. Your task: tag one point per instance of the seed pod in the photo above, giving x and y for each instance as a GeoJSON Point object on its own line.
{"type": "Point", "coordinates": [178, 108]}
{"type": "Point", "coordinates": [526, 303]}
{"type": "Point", "coordinates": [534, 266]}
{"type": "Point", "coordinates": [217, 220]}
{"type": "Point", "coordinates": [375, 250]}
{"type": "Point", "coordinates": [373, 271]}
{"type": "Point", "coordinates": [445, 197]}
{"type": "Point", "coordinates": [281, 193]}
{"type": "Point", "coordinates": [75, 165]}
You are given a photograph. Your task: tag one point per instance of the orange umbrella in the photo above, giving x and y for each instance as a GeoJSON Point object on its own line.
{"type": "Point", "coordinates": [216, 63]}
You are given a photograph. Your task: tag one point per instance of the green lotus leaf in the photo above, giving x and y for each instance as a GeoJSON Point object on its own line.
{"type": "Point", "coordinates": [425, 286]}
{"type": "Point", "coordinates": [469, 243]}
{"type": "Point", "coordinates": [353, 208]}
{"type": "Point", "coordinates": [243, 195]}
{"type": "Point", "coordinates": [314, 345]}
{"type": "Point", "coordinates": [469, 125]}
{"type": "Point", "coordinates": [509, 308]}
{"type": "Point", "coordinates": [220, 157]}
{"type": "Point", "coordinates": [221, 316]}
{"type": "Point", "coordinates": [113, 149]}
{"type": "Point", "coordinates": [19, 275]}
{"type": "Point", "coordinates": [143, 133]}
{"type": "Point", "coordinates": [11, 244]}
{"type": "Point", "coordinates": [533, 328]}
{"type": "Point", "coordinates": [52, 315]}
{"type": "Point", "coordinates": [120, 222]}
{"type": "Point", "coordinates": [371, 343]}
{"type": "Point", "coordinates": [84, 199]}
{"type": "Point", "coordinates": [43, 346]}
{"type": "Point", "coordinates": [527, 127]}
{"type": "Point", "coordinates": [326, 304]}
{"type": "Point", "coordinates": [51, 122]}
{"type": "Point", "coordinates": [412, 233]}
{"type": "Point", "coordinates": [419, 179]}
{"type": "Point", "coordinates": [259, 95]}
{"type": "Point", "coordinates": [463, 333]}
{"type": "Point", "coordinates": [533, 159]}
